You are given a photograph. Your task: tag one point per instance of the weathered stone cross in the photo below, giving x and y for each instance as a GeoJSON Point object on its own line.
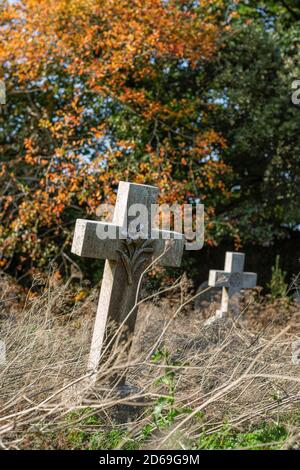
{"type": "Point", "coordinates": [126, 258]}
{"type": "Point", "coordinates": [232, 280]}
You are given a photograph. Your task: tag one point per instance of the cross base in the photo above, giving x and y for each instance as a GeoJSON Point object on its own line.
{"type": "Point", "coordinates": [129, 408]}
{"type": "Point", "coordinates": [132, 406]}
{"type": "Point", "coordinates": [73, 396]}
{"type": "Point", "coordinates": [219, 315]}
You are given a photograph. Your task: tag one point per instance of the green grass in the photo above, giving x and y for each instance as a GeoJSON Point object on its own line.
{"type": "Point", "coordinates": [265, 437]}
{"type": "Point", "coordinates": [82, 436]}
{"type": "Point", "coordinates": [86, 430]}
{"type": "Point", "coordinates": [92, 435]}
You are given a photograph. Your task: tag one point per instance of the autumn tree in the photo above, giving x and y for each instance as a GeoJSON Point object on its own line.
{"type": "Point", "coordinates": [97, 92]}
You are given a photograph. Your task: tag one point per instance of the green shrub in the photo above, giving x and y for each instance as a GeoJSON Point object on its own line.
{"type": "Point", "coordinates": [278, 287]}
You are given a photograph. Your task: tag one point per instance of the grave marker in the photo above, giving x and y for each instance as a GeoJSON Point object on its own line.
{"type": "Point", "coordinates": [232, 280]}
{"type": "Point", "coordinates": [126, 258]}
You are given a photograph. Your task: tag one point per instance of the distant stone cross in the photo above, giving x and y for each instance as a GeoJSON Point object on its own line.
{"type": "Point", "coordinates": [232, 280]}
{"type": "Point", "coordinates": [126, 259]}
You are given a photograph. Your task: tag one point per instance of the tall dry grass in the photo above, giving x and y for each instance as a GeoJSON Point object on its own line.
{"type": "Point", "coordinates": [238, 372]}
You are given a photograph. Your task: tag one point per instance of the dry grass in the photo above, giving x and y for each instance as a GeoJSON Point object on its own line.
{"type": "Point", "coordinates": [235, 372]}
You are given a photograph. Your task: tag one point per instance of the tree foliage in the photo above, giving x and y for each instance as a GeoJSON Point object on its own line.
{"type": "Point", "coordinates": [102, 91]}
{"type": "Point", "coordinates": [252, 80]}
{"type": "Point", "coordinates": [193, 97]}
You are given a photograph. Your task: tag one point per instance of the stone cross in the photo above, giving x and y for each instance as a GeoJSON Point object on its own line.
{"type": "Point", "coordinates": [126, 259]}
{"type": "Point", "coordinates": [232, 280]}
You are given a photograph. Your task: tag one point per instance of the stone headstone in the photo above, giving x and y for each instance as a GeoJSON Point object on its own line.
{"type": "Point", "coordinates": [232, 280]}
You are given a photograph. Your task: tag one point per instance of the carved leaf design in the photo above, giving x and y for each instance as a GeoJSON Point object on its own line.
{"type": "Point", "coordinates": [133, 254]}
